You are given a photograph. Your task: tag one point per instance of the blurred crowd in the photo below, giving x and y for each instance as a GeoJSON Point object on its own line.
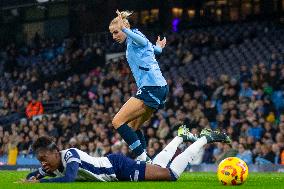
{"type": "Point", "coordinates": [80, 95]}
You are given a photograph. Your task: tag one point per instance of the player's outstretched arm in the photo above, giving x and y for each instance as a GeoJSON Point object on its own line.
{"type": "Point", "coordinates": [34, 177]}
{"type": "Point", "coordinates": [139, 40]}
{"type": "Point", "coordinates": [38, 174]}
{"type": "Point", "coordinates": [70, 174]}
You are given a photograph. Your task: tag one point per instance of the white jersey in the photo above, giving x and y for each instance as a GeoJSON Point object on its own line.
{"type": "Point", "coordinates": [90, 168]}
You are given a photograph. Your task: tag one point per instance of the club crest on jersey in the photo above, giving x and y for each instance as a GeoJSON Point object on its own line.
{"type": "Point", "coordinates": [68, 155]}
{"type": "Point", "coordinates": [139, 92]}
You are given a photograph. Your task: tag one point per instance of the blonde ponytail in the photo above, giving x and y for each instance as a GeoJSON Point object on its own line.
{"type": "Point", "coordinates": [124, 15]}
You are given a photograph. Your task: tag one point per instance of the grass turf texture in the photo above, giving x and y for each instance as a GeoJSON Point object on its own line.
{"type": "Point", "coordinates": [188, 180]}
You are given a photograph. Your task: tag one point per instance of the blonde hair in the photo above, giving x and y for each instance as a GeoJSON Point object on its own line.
{"type": "Point", "coordinates": [124, 15]}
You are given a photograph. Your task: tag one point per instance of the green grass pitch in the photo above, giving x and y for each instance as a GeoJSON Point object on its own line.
{"type": "Point", "coordinates": [188, 180]}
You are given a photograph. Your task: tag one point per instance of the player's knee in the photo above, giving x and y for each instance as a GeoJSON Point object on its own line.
{"type": "Point", "coordinates": [134, 126]}
{"type": "Point", "coordinates": [116, 123]}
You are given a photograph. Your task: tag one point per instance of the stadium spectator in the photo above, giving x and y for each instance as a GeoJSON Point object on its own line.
{"type": "Point", "coordinates": [266, 156]}
{"type": "Point", "coordinates": [34, 108]}
{"type": "Point", "coordinates": [282, 157]}
{"type": "Point", "coordinates": [244, 154]}
{"type": "Point", "coordinates": [227, 152]}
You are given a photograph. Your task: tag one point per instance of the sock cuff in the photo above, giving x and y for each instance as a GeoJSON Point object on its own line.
{"type": "Point", "coordinates": [123, 128]}
{"type": "Point", "coordinates": [174, 176]}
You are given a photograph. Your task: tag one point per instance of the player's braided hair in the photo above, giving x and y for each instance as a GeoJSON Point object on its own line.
{"type": "Point", "coordinates": [44, 143]}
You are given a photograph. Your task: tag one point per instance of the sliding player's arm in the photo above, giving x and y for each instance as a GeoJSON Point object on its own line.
{"type": "Point", "coordinates": [70, 174]}
{"type": "Point", "coordinates": [38, 174]}
{"type": "Point", "coordinates": [72, 160]}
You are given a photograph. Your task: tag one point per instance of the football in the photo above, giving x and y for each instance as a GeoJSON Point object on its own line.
{"type": "Point", "coordinates": [232, 171]}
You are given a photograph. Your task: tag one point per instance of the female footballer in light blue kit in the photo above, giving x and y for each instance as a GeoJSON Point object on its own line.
{"type": "Point", "coordinates": [152, 86]}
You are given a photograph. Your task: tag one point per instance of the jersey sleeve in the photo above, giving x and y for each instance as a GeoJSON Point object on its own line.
{"type": "Point", "coordinates": [157, 49]}
{"type": "Point", "coordinates": [72, 155]}
{"type": "Point", "coordinates": [136, 38]}
{"type": "Point", "coordinates": [36, 174]}
{"type": "Point", "coordinates": [70, 174]}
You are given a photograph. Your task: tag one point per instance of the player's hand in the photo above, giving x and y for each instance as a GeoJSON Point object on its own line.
{"type": "Point", "coordinates": [120, 22]}
{"type": "Point", "coordinates": [161, 43]}
{"type": "Point", "coordinates": [33, 179]}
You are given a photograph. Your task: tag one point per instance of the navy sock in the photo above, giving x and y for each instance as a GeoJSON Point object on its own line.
{"type": "Point", "coordinates": [141, 138]}
{"type": "Point", "coordinates": [173, 176]}
{"type": "Point", "coordinates": [131, 139]}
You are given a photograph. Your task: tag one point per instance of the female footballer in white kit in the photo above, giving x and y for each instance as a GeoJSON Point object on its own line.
{"type": "Point", "coordinates": [75, 165]}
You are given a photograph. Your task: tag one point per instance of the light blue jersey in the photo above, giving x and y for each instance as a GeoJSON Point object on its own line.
{"type": "Point", "coordinates": [142, 61]}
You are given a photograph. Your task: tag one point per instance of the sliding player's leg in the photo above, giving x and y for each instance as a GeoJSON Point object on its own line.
{"type": "Point", "coordinates": [177, 166]}
{"type": "Point", "coordinates": [127, 169]}
{"type": "Point", "coordinates": [163, 158]}
{"type": "Point", "coordinates": [180, 163]}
